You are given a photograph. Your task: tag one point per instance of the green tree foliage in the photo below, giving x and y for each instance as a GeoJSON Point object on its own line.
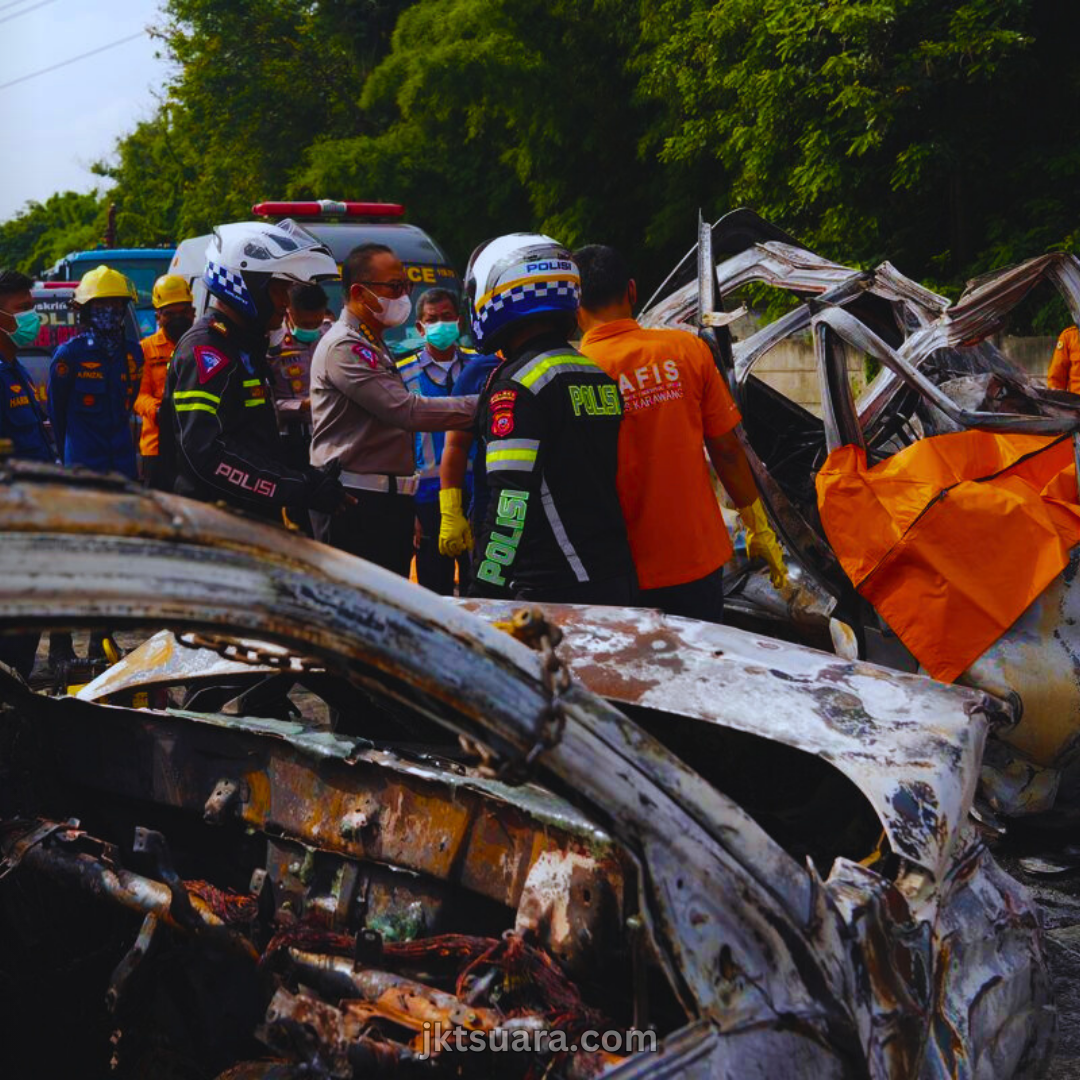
{"type": "Point", "coordinates": [155, 171]}
{"type": "Point", "coordinates": [502, 115]}
{"type": "Point", "coordinates": [941, 134]}
{"type": "Point", "coordinates": [44, 232]}
{"type": "Point", "coordinates": [259, 81]}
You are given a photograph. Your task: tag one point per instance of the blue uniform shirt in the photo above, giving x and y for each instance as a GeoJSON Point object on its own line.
{"type": "Point", "coordinates": [427, 378]}
{"type": "Point", "coordinates": [90, 403]}
{"type": "Point", "coordinates": [22, 419]}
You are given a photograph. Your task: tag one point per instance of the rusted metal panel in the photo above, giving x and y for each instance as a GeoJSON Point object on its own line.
{"type": "Point", "coordinates": [336, 794]}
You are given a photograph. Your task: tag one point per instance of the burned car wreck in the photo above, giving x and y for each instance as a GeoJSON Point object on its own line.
{"type": "Point", "coordinates": [940, 372]}
{"type": "Point", "coordinates": [760, 854]}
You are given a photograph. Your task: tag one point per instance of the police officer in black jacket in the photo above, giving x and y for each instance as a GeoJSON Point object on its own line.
{"type": "Point", "coordinates": [550, 419]}
{"type": "Point", "coordinates": [223, 438]}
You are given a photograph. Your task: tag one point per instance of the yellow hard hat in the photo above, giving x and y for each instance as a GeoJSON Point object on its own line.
{"type": "Point", "coordinates": [104, 283]}
{"type": "Point", "coordinates": [171, 289]}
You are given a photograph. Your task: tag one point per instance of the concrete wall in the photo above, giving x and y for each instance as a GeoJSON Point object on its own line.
{"type": "Point", "coordinates": [791, 369]}
{"type": "Point", "coordinates": [1033, 354]}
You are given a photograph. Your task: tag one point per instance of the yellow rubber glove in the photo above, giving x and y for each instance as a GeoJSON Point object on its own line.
{"type": "Point", "coordinates": [761, 542]}
{"type": "Point", "coordinates": [455, 535]}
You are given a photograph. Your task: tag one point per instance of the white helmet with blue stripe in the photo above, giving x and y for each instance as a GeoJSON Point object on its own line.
{"type": "Point", "coordinates": [243, 257]}
{"type": "Point", "coordinates": [516, 277]}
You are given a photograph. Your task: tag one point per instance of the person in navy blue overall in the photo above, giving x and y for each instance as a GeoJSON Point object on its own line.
{"type": "Point", "coordinates": [93, 382]}
{"type": "Point", "coordinates": [94, 379]}
{"type": "Point", "coordinates": [22, 420]}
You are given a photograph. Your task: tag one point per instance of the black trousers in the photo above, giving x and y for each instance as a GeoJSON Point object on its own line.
{"type": "Point", "coordinates": [435, 571]}
{"type": "Point", "coordinates": [702, 599]}
{"type": "Point", "coordinates": [18, 652]}
{"type": "Point", "coordinates": [611, 592]}
{"type": "Point", "coordinates": [378, 528]}
{"type": "Point", "coordinates": [155, 473]}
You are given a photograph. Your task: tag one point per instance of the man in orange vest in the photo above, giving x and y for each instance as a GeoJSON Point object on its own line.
{"type": "Point", "coordinates": [676, 408]}
{"type": "Point", "coordinates": [1065, 365]}
{"type": "Point", "coordinates": [175, 310]}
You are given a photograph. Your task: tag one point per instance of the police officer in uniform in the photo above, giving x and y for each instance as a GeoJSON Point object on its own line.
{"type": "Point", "coordinates": [22, 422]}
{"type": "Point", "coordinates": [434, 371]}
{"type": "Point", "coordinates": [550, 419]}
{"type": "Point", "coordinates": [95, 377]}
{"type": "Point", "coordinates": [362, 413]}
{"type": "Point", "coordinates": [290, 364]}
{"type": "Point", "coordinates": [225, 441]}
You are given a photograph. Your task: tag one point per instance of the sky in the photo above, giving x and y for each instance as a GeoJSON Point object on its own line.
{"type": "Point", "coordinates": [54, 126]}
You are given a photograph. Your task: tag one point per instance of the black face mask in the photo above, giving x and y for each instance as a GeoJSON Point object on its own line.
{"type": "Point", "coordinates": [176, 326]}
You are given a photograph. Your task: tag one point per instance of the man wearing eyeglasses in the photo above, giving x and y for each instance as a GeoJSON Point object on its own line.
{"type": "Point", "coordinates": [363, 415]}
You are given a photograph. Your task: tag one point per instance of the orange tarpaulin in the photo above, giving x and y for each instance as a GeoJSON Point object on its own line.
{"type": "Point", "coordinates": [952, 538]}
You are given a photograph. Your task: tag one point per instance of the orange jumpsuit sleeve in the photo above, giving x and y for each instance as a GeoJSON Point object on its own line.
{"type": "Point", "coordinates": [1058, 376]}
{"type": "Point", "coordinates": [147, 403]}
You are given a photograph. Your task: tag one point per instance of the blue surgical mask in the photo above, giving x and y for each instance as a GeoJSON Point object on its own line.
{"type": "Point", "coordinates": [27, 327]}
{"type": "Point", "coordinates": [305, 337]}
{"type": "Point", "coordinates": [442, 334]}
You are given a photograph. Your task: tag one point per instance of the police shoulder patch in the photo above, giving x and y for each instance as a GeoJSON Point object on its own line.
{"type": "Point", "coordinates": [502, 424]}
{"type": "Point", "coordinates": [209, 362]}
{"type": "Point", "coordinates": [367, 354]}
{"type": "Point", "coordinates": [61, 370]}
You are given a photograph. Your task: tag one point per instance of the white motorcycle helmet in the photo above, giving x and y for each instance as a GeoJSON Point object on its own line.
{"type": "Point", "coordinates": [519, 277]}
{"type": "Point", "coordinates": [242, 258]}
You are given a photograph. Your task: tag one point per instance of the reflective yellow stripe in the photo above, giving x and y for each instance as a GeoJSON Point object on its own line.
{"type": "Point", "coordinates": [196, 405]}
{"type": "Point", "coordinates": [510, 455]}
{"type": "Point", "coordinates": [257, 401]}
{"type": "Point", "coordinates": [253, 382]}
{"type": "Point", "coordinates": [181, 395]}
{"type": "Point", "coordinates": [538, 370]}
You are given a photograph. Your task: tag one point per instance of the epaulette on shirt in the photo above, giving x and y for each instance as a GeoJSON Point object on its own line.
{"type": "Point", "coordinates": [220, 325]}
{"type": "Point", "coordinates": [414, 356]}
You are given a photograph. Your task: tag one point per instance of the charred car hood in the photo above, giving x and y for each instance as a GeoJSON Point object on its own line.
{"type": "Point", "coordinates": [911, 745]}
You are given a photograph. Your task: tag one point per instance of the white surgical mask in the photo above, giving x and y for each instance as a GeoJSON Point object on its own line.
{"type": "Point", "coordinates": [393, 312]}
{"type": "Point", "coordinates": [276, 337]}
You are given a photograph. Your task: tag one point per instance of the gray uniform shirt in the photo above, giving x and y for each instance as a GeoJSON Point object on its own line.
{"type": "Point", "coordinates": [361, 411]}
